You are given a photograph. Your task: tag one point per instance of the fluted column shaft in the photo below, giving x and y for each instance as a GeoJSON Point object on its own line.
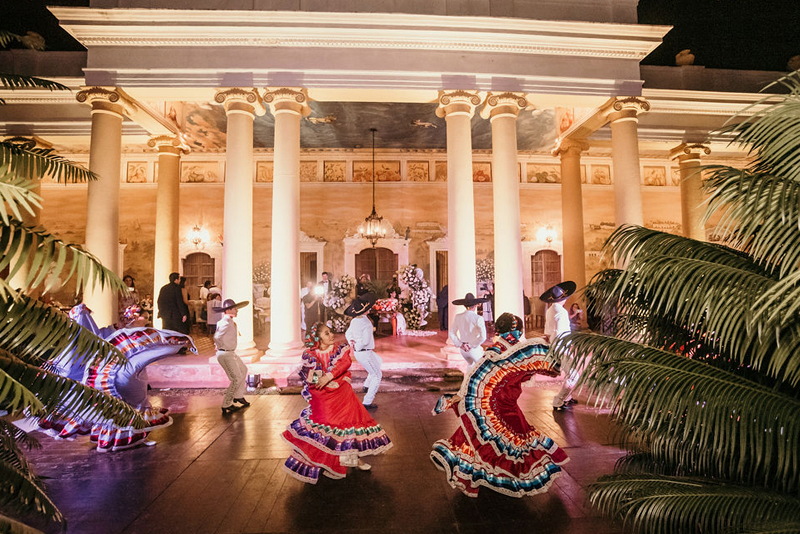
{"type": "Point", "coordinates": [625, 158]}
{"type": "Point", "coordinates": [237, 230]}
{"type": "Point", "coordinates": [457, 109]}
{"type": "Point", "coordinates": [288, 106]}
{"type": "Point", "coordinates": [102, 218]}
{"type": "Point", "coordinates": [572, 211]}
{"type": "Point", "coordinates": [688, 157]}
{"type": "Point", "coordinates": [167, 237]}
{"type": "Point", "coordinates": [503, 110]}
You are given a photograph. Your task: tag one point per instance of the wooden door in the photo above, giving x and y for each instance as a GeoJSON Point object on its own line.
{"type": "Point", "coordinates": [197, 268]}
{"type": "Point", "coordinates": [308, 268]}
{"type": "Point", "coordinates": [379, 263]}
{"type": "Point", "coordinates": [441, 270]}
{"type": "Point", "coordinates": [545, 271]}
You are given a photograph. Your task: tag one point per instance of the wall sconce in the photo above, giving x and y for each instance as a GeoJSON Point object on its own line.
{"type": "Point", "coordinates": [199, 237]}
{"type": "Point", "coordinates": [546, 233]}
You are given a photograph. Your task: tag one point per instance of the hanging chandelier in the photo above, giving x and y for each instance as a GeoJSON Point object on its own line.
{"type": "Point", "coordinates": [373, 224]}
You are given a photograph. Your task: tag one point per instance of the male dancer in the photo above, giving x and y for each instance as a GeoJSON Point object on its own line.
{"type": "Point", "coordinates": [468, 330]}
{"type": "Point", "coordinates": [556, 324]}
{"type": "Point", "coordinates": [225, 338]}
{"type": "Point", "coordinates": [361, 339]}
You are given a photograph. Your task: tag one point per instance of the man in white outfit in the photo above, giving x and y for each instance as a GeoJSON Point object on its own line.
{"type": "Point", "coordinates": [361, 339]}
{"type": "Point", "coordinates": [226, 339]}
{"type": "Point", "coordinates": [556, 324]}
{"type": "Point", "coordinates": [468, 330]}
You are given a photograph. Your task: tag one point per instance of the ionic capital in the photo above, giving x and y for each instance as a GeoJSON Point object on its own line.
{"type": "Point", "coordinates": [499, 104]}
{"type": "Point", "coordinates": [170, 144]}
{"type": "Point", "coordinates": [107, 101]}
{"type": "Point", "coordinates": [239, 100]}
{"type": "Point", "coordinates": [287, 100]}
{"type": "Point", "coordinates": [627, 107]}
{"type": "Point", "coordinates": [457, 102]}
{"type": "Point", "coordinates": [569, 147]}
{"type": "Point", "coordinates": [689, 151]}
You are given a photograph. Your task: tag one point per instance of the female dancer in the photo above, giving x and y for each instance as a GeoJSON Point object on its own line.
{"type": "Point", "coordinates": [335, 430]}
{"type": "Point", "coordinates": [494, 445]}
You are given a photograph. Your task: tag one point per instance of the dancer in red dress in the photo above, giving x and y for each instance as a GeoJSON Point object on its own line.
{"type": "Point", "coordinates": [335, 430]}
{"type": "Point", "coordinates": [495, 446]}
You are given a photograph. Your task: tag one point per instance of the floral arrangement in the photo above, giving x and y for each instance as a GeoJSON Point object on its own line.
{"type": "Point", "coordinates": [262, 274]}
{"type": "Point", "coordinates": [339, 323]}
{"type": "Point", "coordinates": [333, 301]}
{"type": "Point", "coordinates": [484, 269]}
{"type": "Point", "coordinates": [339, 295]}
{"type": "Point", "coordinates": [413, 317]}
{"type": "Point", "coordinates": [386, 306]}
{"type": "Point", "coordinates": [415, 306]}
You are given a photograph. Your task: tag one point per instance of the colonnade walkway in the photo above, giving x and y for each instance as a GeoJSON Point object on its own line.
{"type": "Point", "coordinates": [215, 474]}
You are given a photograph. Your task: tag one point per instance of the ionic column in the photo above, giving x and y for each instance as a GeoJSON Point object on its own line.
{"type": "Point", "coordinates": [502, 110]}
{"type": "Point", "coordinates": [241, 106]}
{"type": "Point", "coordinates": [457, 108]}
{"type": "Point", "coordinates": [688, 156]}
{"type": "Point", "coordinates": [18, 280]}
{"type": "Point", "coordinates": [572, 210]}
{"type": "Point", "coordinates": [102, 218]}
{"type": "Point", "coordinates": [288, 106]}
{"type": "Point", "coordinates": [167, 238]}
{"type": "Point", "coordinates": [625, 158]}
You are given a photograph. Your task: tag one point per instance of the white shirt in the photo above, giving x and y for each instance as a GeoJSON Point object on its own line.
{"type": "Point", "coordinates": [468, 327]}
{"type": "Point", "coordinates": [556, 321]}
{"type": "Point", "coordinates": [359, 334]}
{"type": "Point", "coordinates": [204, 291]}
{"type": "Point", "coordinates": [226, 334]}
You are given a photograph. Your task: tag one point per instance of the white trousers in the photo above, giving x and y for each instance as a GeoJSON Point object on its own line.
{"type": "Point", "coordinates": [571, 376]}
{"type": "Point", "coordinates": [472, 355]}
{"type": "Point", "coordinates": [372, 363]}
{"type": "Point", "coordinates": [236, 370]}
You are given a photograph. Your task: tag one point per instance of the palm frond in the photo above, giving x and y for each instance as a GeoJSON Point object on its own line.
{"type": "Point", "coordinates": [44, 256]}
{"type": "Point", "coordinates": [17, 397]}
{"type": "Point", "coordinates": [16, 81]}
{"type": "Point", "coordinates": [34, 163]}
{"type": "Point", "coordinates": [754, 430]}
{"type": "Point", "coordinates": [15, 193]}
{"type": "Point", "coordinates": [759, 213]}
{"type": "Point", "coordinates": [25, 493]}
{"type": "Point", "coordinates": [60, 394]}
{"type": "Point", "coordinates": [36, 332]}
{"type": "Point", "coordinates": [7, 36]}
{"type": "Point", "coordinates": [773, 133]}
{"type": "Point", "coordinates": [656, 504]}
{"type": "Point", "coordinates": [10, 452]}
{"type": "Point", "coordinates": [11, 526]}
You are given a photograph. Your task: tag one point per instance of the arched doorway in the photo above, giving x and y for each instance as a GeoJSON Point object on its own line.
{"type": "Point", "coordinates": [379, 263]}
{"type": "Point", "coordinates": [197, 268]}
{"type": "Point", "coordinates": [545, 271]}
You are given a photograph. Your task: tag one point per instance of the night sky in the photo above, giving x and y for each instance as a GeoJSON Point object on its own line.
{"type": "Point", "coordinates": [734, 34]}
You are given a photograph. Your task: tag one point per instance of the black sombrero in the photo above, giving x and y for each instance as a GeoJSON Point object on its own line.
{"type": "Point", "coordinates": [360, 305]}
{"type": "Point", "coordinates": [469, 301]}
{"type": "Point", "coordinates": [558, 292]}
{"type": "Point", "coordinates": [228, 304]}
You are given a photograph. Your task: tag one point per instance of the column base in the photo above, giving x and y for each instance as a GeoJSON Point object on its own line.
{"type": "Point", "coordinates": [283, 350]}
{"type": "Point", "coordinates": [451, 354]}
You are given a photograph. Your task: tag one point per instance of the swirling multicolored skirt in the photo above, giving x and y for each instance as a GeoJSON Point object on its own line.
{"type": "Point", "coordinates": [331, 434]}
{"type": "Point", "coordinates": [495, 446]}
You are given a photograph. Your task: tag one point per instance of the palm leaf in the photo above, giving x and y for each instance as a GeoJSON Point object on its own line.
{"type": "Point", "coordinates": [17, 397]}
{"type": "Point", "coordinates": [60, 394]}
{"type": "Point", "coordinates": [655, 504]}
{"type": "Point", "coordinates": [7, 36]}
{"type": "Point", "coordinates": [34, 163]}
{"type": "Point", "coordinates": [11, 526]}
{"type": "Point", "coordinates": [37, 332]}
{"type": "Point", "coordinates": [759, 213]}
{"type": "Point", "coordinates": [753, 430]}
{"type": "Point", "coordinates": [16, 192]}
{"type": "Point", "coordinates": [23, 492]}
{"type": "Point", "coordinates": [16, 81]}
{"type": "Point", "coordinates": [44, 256]}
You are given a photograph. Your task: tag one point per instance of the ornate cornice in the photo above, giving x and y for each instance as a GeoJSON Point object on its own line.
{"type": "Point", "coordinates": [689, 151]}
{"type": "Point", "coordinates": [283, 99]}
{"type": "Point", "coordinates": [569, 146]}
{"type": "Point", "coordinates": [237, 98]}
{"type": "Point", "coordinates": [635, 103]}
{"type": "Point", "coordinates": [171, 28]}
{"type": "Point", "coordinates": [165, 143]}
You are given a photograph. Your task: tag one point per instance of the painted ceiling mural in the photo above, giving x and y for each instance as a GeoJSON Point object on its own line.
{"type": "Point", "coordinates": [347, 124]}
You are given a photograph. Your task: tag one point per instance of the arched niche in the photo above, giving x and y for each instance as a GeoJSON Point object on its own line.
{"type": "Point", "coordinates": [356, 243]}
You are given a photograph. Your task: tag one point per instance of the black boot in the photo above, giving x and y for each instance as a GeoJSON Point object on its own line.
{"type": "Point", "coordinates": [242, 401]}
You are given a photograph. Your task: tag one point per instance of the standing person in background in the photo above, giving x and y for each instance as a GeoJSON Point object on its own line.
{"type": "Point", "coordinates": [468, 330]}
{"type": "Point", "coordinates": [359, 335]}
{"type": "Point", "coordinates": [361, 285]}
{"type": "Point", "coordinates": [205, 290]}
{"type": "Point", "coordinates": [131, 298]}
{"type": "Point", "coordinates": [226, 338]}
{"type": "Point", "coordinates": [171, 308]}
{"type": "Point", "coordinates": [325, 283]}
{"type": "Point", "coordinates": [556, 324]}
{"type": "Point", "coordinates": [575, 317]}
{"type": "Point", "coordinates": [213, 317]}
{"type": "Point", "coordinates": [187, 326]}
{"type": "Point", "coordinates": [443, 304]}
{"type": "Point", "coordinates": [312, 306]}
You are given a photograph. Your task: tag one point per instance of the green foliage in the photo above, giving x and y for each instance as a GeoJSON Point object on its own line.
{"type": "Point", "coordinates": [379, 288]}
{"type": "Point", "coordinates": [703, 368]}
